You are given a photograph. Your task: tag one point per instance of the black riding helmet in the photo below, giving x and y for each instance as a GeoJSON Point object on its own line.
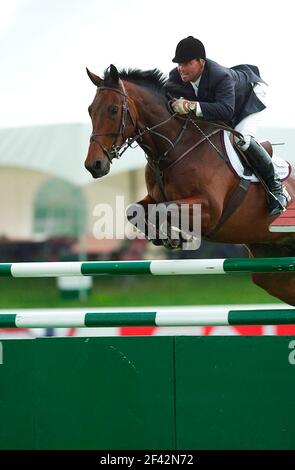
{"type": "Point", "coordinates": [189, 48]}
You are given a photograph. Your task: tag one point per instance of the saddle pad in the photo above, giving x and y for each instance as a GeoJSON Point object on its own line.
{"type": "Point", "coordinates": [282, 167]}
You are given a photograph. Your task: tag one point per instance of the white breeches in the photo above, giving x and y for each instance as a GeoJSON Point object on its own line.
{"type": "Point", "coordinates": [248, 126]}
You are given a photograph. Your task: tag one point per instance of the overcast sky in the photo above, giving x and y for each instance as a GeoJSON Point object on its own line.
{"type": "Point", "coordinates": [45, 46]}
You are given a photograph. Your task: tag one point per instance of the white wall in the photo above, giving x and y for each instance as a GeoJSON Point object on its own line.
{"type": "Point", "coordinates": [17, 191]}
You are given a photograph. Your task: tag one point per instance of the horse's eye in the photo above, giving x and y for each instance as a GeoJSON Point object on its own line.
{"type": "Point", "coordinates": [114, 109]}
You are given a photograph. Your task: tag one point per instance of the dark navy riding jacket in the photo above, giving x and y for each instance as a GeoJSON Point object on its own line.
{"type": "Point", "coordinates": [224, 94]}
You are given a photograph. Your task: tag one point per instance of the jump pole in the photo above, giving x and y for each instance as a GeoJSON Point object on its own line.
{"type": "Point", "coordinates": [162, 317]}
{"type": "Point", "coordinates": [156, 268]}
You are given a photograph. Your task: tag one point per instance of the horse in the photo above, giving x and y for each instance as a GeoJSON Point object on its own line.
{"type": "Point", "coordinates": [185, 165]}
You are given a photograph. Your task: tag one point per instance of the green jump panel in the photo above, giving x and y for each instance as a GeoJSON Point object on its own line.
{"type": "Point", "coordinates": [148, 393]}
{"type": "Point", "coordinates": [87, 393]}
{"type": "Point", "coordinates": [18, 364]}
{"type": "Point", "coordinates": [235, 393]}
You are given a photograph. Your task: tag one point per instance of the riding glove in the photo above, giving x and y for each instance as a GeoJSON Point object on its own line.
{"type": "Point", "coordinates": [182, 106]}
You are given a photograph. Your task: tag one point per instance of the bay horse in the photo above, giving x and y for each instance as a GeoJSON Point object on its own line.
{"type": "Point", "coordinates": [186, 165]}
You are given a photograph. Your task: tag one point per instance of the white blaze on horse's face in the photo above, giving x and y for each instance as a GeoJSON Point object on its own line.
{"type": "Point", "coordinates": [192, 70]}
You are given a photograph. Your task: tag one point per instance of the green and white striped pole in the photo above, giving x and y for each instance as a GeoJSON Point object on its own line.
{"type": "Point", "coordinates": [161, 317]}
{"type": "Point", "coordinates": [156, 268]}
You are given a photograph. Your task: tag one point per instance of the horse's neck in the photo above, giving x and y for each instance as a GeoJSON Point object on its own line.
{"type": "Point", "coordinates": [153, 120]}
{"type": "Point", "coordinates": [152, 114]}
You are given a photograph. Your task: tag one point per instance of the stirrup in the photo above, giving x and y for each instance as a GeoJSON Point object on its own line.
{"type": "Point", "coordinates": [286, 194]}
{"type": "Point", "coordinates": [275, 203]}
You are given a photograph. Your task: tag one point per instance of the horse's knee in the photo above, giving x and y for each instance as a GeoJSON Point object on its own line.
{"type": "Point", "coordinates": [135, 211]}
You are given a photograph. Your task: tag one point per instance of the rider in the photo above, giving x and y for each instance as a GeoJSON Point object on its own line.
{"type": "Point", "coordinates": [234, 96]}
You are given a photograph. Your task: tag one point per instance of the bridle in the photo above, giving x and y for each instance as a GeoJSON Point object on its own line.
{"type": "Point", "coordinates": [114, 152]}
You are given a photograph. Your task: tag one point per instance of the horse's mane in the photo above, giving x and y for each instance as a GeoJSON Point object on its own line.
{"type": "Point", "coordinates": [152, 79]}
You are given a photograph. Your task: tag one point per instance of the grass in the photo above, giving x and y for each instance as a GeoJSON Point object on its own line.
{"type": "Point", "coordinates": [112, 291]}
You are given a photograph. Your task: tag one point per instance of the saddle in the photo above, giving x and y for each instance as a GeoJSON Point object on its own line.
{"type": "Point", "coordinates": [268, 147]}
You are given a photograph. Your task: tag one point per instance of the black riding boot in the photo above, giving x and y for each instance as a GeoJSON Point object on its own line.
{"type": "Point", "coordinates": [262, 165]}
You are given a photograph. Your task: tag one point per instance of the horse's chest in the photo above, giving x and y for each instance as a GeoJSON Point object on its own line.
{"type": "Point", "coordinates": [175, 186]}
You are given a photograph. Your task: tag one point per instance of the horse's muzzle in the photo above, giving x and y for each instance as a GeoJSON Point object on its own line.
{"type": "Point", "coordinates": [98, 169]}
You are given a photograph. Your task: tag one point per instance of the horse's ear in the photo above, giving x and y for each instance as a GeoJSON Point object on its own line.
{"type": "Point", "coordinates": [114, 74]}
{"type": "Point", "coordinates": [94, 78]}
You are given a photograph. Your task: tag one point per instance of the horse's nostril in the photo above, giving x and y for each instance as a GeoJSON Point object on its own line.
{"type": "Point", "coordinates": [97, 165]}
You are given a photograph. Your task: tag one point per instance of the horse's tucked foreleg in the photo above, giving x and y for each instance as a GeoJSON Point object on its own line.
{"type": "Point", "coordinates": [172, 223]}
{"type": "Point", "coordinates": [137, 214]}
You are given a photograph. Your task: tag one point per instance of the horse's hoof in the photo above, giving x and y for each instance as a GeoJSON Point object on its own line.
{"type": "Point", "coordinates": [135, 211]}
{"type": "Point", "coordinates": [172, 244]}
{"type": "Point", "coordinates": [156, 242]}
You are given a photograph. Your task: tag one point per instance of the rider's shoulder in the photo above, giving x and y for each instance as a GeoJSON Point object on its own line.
{"type": "Point", "coordinates": [216, 68]}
